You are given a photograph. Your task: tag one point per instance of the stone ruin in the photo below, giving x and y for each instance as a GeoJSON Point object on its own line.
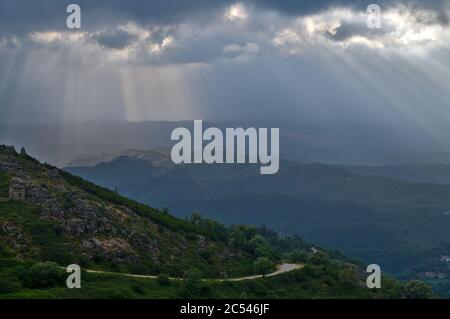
{"type": "Point", "coordinates": [17, 189]}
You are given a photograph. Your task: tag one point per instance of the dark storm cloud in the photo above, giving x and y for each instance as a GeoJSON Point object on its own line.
{"type": "Point", "coordinates": [22, 16]}
{"type": "Point", "coordinates": [443, 18]}
{"type": "Point", "coordinates": [300, 7]}
{"type": "Point", "coordinates": [254, 64]}
{"type": "Point", "coordinates": [349, 29]}
{"type": "Point", "coordinates": [114, 39]}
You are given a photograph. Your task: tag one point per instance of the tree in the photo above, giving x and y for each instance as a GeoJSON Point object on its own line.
{"type": "Point", "coordinates": [192, 286]}
{"type": "Point", "coordinates": [297, 256]}
{"type": "Point", "coordinates": [260, 246]}
{"type": "Point", "coordinates": [263, 251]}
{"type": "Point", "coordinates": [263, 266]}
{"type": "Point", "coordinates": [237, 239]}
{"type": "Point", "coordinates": [257, 241]}
{"type": "Point", "coordinates": [196, 218]}
{"type": "Point", "coordinates": [349, 276]}
{"type": "Point", "coordinates": [23, 152]}
{"type": "Point", "coordinates": [319, 258]}
{"type": "Point", "coordinates": [416, 289]}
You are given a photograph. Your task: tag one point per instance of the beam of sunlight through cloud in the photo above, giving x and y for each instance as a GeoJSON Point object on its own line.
{"type": "Point", "coordinates": [236, 61]}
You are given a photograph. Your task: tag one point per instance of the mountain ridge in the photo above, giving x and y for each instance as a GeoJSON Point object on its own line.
{"type": "Point", "coordinates": [352, 209]}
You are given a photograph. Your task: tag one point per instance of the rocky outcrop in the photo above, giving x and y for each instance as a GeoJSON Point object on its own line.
{"type": "Point", "coordinates": [201, 243]}
{"type": "Point", "coordinates": [83, 222]}
{"type": "Point", "coordinates": [77, 226]}
{"type": "Point", "coordinates": [14, 237]}
{"type": "Point", "coordinates": [54, 173]}
{"type": "Point", "coordinates": [115, 249]}
{"type": "Point", "coordinates": [76, 214]}
{"type": "Point", "coordinates": [41, 196]}
{"type": "Point", "coordinates": [11, 165]}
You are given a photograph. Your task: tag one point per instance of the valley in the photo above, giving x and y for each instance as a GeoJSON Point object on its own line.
{"type": "Point", "coordinates": [369, 213]}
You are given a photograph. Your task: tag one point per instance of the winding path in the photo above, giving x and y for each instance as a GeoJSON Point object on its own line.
{"type": "Point", "coordinates": [283, 268]}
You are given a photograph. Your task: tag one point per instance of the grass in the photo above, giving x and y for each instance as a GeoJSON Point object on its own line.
{"type": "Point", "coordinates": [4, 185]}
{"type": "Point", "coordinates": [289, 285]}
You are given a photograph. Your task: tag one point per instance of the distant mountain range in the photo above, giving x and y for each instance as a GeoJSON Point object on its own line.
{"type": "Point", "coordinates": [396, 216]}
{"type": "Point", "coordinates": [421, 173]}
{"type": "Point", "coordinates": [62, 144]}
{"type": "Point", "coordinates": [158, 158]}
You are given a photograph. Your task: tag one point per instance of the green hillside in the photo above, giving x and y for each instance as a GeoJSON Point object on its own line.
{"type": "Point", "coordinates": [66, 220]}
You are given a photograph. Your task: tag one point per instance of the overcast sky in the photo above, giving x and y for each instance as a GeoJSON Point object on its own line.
{"type": "Point", "coordinates": [219, 60]}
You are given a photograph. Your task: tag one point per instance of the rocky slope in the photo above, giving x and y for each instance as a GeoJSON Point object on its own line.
{"type": "Point", "coordinates": [68, 220]}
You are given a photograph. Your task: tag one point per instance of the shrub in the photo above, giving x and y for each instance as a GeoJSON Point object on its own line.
{"type": "Point", "coordinates": [192, 286]}
{"type": "Point", "coordinates": [297, 256]}
{"type": "Point", "coordinates": [418, 290]}
{"type": "Point", "coordinates": [319, 258]}
{"type": "Point", "coordinates": [113, 293]}
{"type": "Point", "coordinates": [41, 275]}
{"type": "Point", "coordinates": [349, 276]}
{"type": "Point", "coordinates": [7, 285]}
{"type": "Point", "coordinates": [163, 280]}
{"type": "Point", "coordinates": [263, 265]}
{"type": "Point", "coordinates": [138, 289]}
{"type": "Point", "coordinates": [57, 253]}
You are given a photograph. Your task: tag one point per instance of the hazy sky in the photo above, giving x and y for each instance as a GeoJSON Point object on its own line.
{"type": "Point", "coordinates": [220, 60]}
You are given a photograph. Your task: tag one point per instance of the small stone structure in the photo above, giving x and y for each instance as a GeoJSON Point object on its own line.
{"type": "Point", "coordinates": [17, 189]}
